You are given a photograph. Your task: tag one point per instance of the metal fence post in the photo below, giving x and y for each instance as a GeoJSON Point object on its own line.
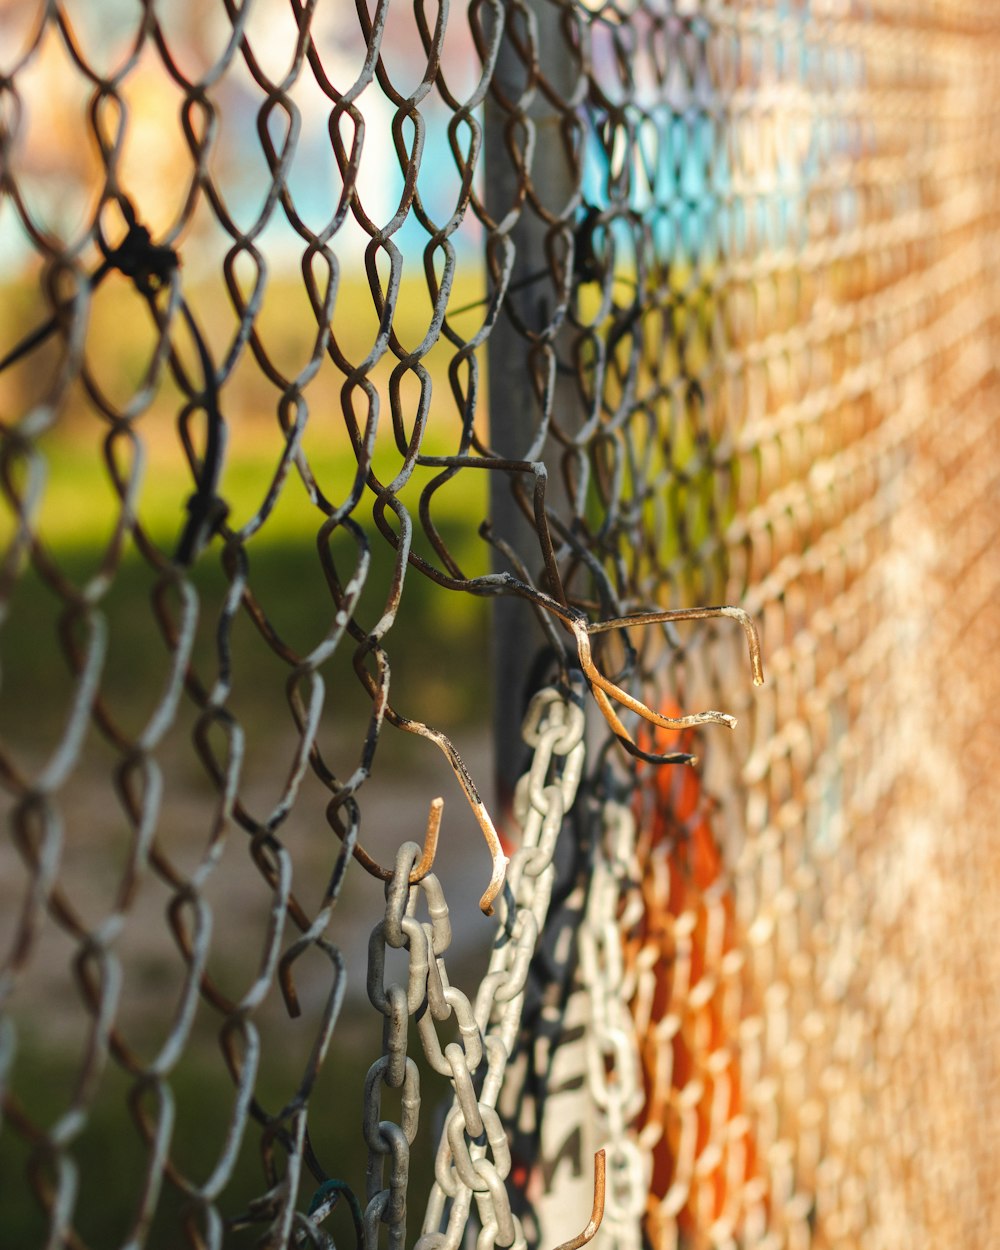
{"type": "Point", "coordinates": [513, 404]}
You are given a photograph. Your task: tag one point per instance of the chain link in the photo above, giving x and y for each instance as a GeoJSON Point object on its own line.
{"type": "Point", "coordinates": [614, 1069]}
{"type": "Point", "coordinates": [473, 1158]}
{"type": "Point", "coordinates": [468, 1168]}
{"type": "Point", "coordinates": [588, 1089]}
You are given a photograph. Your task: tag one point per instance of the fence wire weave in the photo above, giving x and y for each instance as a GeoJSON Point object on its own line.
{"type": "Point", "coordinates": [324, 326]}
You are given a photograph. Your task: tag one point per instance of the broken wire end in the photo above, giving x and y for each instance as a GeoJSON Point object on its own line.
{"type": "Point", "coordinates": [597, 1213]}
{"type": "Point", "coordinates": [499, 873]}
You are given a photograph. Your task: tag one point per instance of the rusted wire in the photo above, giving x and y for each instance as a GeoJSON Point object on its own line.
{"type": "Point", "coordinates": [427, 854]}
{"type": "Point", "coordinates": [597, 1214]}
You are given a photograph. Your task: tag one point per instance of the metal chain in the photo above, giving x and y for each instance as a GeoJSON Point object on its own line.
{"type": "Point", "coordinates": [614, 1067]}
{"type": "Point", "coordinates": [395, 1070]}
{"type": "Point", "coordinates": [466, 1166]}
{"type": "Point", "coordinates": [473, 1158]}
{"type": "Point", "coordinates": [588, 1091]}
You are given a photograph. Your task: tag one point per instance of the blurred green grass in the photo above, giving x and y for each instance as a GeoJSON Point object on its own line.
{"type": "Point", "coordinates": [438, 651]}
{"type": "Point", "coordinates": [112, 1158]}
{"type": "Point", "coordinates": [79, 508]}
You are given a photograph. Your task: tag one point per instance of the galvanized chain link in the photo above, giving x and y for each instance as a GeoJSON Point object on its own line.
{"type": "Point", "coordinates": [424, 943]}
{"type": "Point", "coordinates": [467, 1166]}
{"type": "Point", "coordinates": [615, 1084]}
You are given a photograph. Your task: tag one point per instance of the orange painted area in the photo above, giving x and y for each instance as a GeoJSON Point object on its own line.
{"type": "Point", "coordinates": [702, 1146]}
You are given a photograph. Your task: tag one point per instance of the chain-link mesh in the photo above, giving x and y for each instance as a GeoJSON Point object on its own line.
{"type": "Point", "coordinates": [273, 434]}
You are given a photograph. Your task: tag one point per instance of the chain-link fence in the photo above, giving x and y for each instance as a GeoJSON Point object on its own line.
{"type": "Point", "coordinates": [365, 370]}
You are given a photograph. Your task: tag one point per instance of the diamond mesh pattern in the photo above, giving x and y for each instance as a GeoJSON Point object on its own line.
{"type": "Point", "coordinates": [274, 436]}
